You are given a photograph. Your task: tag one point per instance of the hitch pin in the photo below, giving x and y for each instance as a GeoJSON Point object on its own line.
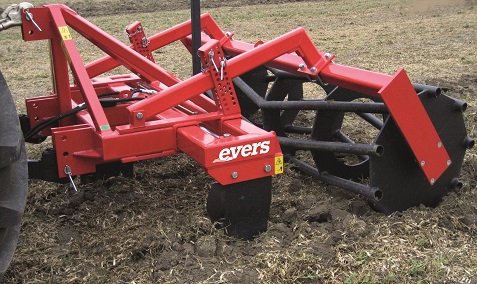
{"type": "Point", "coordinates": [67, 171]}
{"type": "Point", "coordinates": [222, 66]}
{"type": "Point", "coordinates": [29, 17]}
{"type": "Point", "coordinates": [211, 58]}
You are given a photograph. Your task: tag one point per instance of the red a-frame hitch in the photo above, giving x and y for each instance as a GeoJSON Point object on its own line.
{"type": "Point", "coordinates": [176, 121]}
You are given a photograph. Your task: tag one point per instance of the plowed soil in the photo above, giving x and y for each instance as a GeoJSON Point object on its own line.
{"type": "Point", "coordinates": [153, 227]}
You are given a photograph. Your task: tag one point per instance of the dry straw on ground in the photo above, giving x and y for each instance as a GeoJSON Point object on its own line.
{"type": "Point", "coordinates": [153, 228]}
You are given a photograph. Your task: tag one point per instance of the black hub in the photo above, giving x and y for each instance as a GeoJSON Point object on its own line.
{"type": "Point", "coordinates": [327, 127]}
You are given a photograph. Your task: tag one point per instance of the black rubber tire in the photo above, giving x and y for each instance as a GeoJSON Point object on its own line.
{"type": "Point", "coordinates": [13, 176]}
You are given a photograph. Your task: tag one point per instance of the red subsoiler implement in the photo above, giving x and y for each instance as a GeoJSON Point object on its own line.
{"type": "Point", "coordinates": [101, 125]}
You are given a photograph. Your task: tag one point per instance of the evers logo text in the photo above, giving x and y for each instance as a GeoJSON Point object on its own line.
{"type": "Point", "coordinates": [232, 153]}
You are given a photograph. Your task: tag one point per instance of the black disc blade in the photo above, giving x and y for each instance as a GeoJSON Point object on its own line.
{"type": "Point", "coordinates": [241, 208]}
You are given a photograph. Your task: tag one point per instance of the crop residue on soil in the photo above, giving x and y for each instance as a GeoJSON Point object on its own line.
{"type": "Point", "coordinates": [153, 227]}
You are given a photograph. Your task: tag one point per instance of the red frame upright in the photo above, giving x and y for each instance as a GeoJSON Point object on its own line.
{"type": "Point", "coordinates": [179, 117]}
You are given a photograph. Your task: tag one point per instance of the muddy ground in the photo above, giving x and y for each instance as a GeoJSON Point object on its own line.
{"type": "Point", "coordinates": [153, 227]}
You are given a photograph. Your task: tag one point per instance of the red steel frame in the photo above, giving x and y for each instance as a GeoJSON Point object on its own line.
{"type": "Point", "coordinates": [180, 118]}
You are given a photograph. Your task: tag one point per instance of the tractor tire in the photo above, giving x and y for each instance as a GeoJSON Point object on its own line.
{"type": "Point", "coordinates": [13, 176]}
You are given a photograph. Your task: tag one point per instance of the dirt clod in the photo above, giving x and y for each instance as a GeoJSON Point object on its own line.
{"type": "Point", "coordinates": [470, 220]}
{"type": "Point", "coordinates": [67, 234]}
{"type": "Point", "coordinates": [339, 214]}
{"type": "Point", "coordinates": [324, 251]}
{"type": "Point", "coordinates": [176, 246]}
{"type": "Point", "coordinates": [359, 207]}
{"type": "Point", "coordinates": [188, 249]}
{"type": "Point", "coordinates": [289, 215]}
{"type": "Point", "coordinates": [295, 186]}
{"type": "Point", "coordinates": [334, 237]}
{"type": "Point", "coordinates": [319, 214]}
{"type": "Point", "coordinates": [206, 246]}
{"type": "Point", "coordinates": [280, 228]}
{"type": "Point", "coordinates": [355, 225]}
{"type": "Point", "coordinates": [167, 259]}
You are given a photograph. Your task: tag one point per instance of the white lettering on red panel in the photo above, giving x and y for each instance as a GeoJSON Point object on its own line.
{"type": "Point", "coordinates": [232, 153]}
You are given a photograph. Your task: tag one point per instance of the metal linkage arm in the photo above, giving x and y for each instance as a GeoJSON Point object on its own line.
{"type": "Point", "coordinates": [121, 52]}
{"type": "Point", "coordinates": [168, 36]}
{"type": "Point", "coordinates": [294, 41]}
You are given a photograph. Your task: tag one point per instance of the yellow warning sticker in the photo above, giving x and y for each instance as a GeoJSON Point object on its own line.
{"type": "Point", "coordinates": [279, 165]}
{"type": "Point", "coordinates": [65, 33]}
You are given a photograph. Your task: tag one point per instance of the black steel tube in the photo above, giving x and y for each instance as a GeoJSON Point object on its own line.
{"type": "Point", "coordinates": [270, 78]}
{"type": "Point", "coordinates": [369, 193]}
{"type": "Point", "coordinates": [335, 147]}
{"type": "Point", "coordinates": [310, 104]}
{"type": "Point", "coordinates": [297, 129]}
{"type": "Point", "coordinates": [460, 105]}
{"type": "Point", "coordinates": [196, 37]}
{"type": "Point", "coordinates": [287, 75]}
{"type": "Point", "coordinates": [455, 183]}
{"type": "Point", "coordinates": [342, 137]}
{"type": "Point", "coordinates": [469, 143]}
{"type": "Point", "coordinates": [431, 90]}
{"type": "Point", "coordinates": [372, 119]}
